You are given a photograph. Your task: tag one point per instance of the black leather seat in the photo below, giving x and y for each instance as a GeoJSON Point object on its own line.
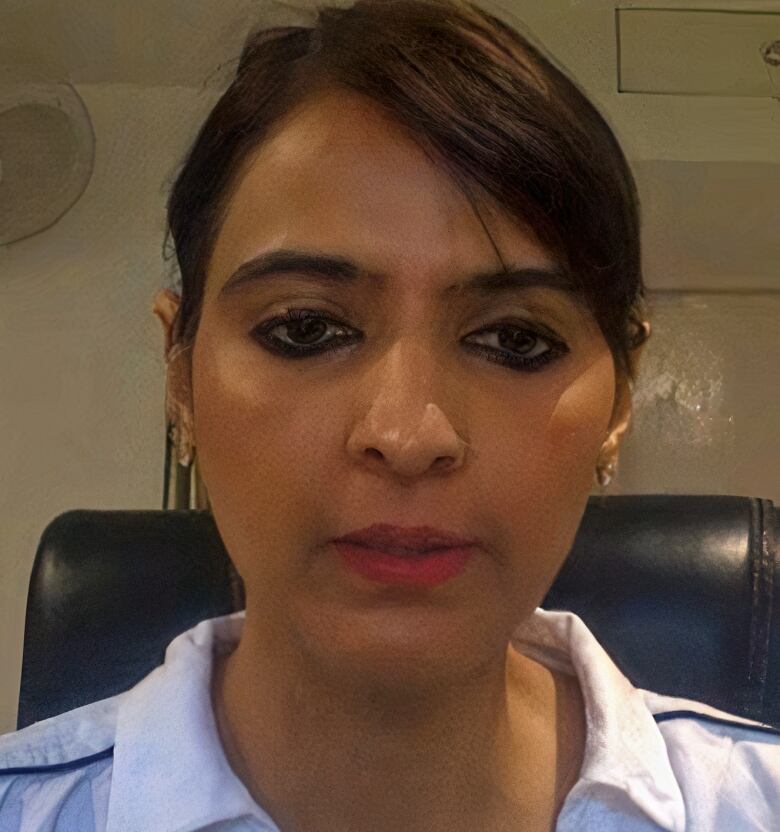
{"type": "Point", "coordinates": [679, 589]}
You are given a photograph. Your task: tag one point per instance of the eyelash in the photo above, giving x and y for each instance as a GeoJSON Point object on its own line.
{"type": "Point", "coordinates": [261, 334]}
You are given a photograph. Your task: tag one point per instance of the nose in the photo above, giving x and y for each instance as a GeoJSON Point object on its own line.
{"type": "Point", "coordinates": [409, 446]}
{"type": "Point", "coordinates": [405, 431]}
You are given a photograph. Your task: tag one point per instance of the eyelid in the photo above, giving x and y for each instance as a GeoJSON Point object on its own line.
{"type": "Point", "coordinates": [488, 321]}
{"type": "Point", "coordinates": [535, 325]}
{"type": "Point", "coordinates": [532, 313]}
{"type": "Point", "coordinates": [487, 315]}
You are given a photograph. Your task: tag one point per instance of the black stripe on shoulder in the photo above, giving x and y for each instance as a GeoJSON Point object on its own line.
{"type": "Point", "coordinates": [662, 717]}
{"type": "Point", "coordinates": [82, 761]}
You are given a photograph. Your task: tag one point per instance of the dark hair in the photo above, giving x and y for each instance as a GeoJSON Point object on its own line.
{"type": "Point", "coordinates": [496, 113]}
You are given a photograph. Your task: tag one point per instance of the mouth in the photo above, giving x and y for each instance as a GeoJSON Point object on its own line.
{"type": "Point", "coordinates": [402, 566]}
{"type": "Point", "coordinates": [397, 551]}
{"type": "Point", "coordinates": [403, 541]}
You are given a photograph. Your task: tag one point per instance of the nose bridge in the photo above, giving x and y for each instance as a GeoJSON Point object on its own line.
{"type": "Point", "coordinates": [409, 421]}
{"type": "Point", "coordinates": [410, 376]}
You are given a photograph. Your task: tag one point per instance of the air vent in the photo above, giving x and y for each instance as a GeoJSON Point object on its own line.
{"type": "Point", "coordinates": [47, 149]}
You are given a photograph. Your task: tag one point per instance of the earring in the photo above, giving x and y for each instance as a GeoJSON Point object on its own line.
{"type": "Point", "coordinates": [604, 473]}
{"type": "Point", "coordinates": [180, 432]}
{"type": "Point", "coordinates": [182, 441]}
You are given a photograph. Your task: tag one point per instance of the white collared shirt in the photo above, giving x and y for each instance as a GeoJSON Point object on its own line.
{"type": "Point", "coordinates": [150, 758]}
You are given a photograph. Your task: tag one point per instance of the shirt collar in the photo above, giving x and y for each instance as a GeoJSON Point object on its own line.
{"type": "Point", "coordinates": [626, 762]}
{"type": "Point", "coordinates": [167, 743]}
{"type": "Point", "coordinates": [170, 773]}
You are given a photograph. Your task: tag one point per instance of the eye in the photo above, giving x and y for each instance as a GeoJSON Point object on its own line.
{"type": "Point", "coordinates": [308, 327]}
{"type": "Point", "coordinates": [526, 347]}
{"type": "Point", "coordinates": [520, 346]}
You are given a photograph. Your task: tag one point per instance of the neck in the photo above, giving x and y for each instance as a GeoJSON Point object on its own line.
{"type": "Point", "coordinates": [326, 753]}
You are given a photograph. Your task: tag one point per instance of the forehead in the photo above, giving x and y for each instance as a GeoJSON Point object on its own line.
{"type": "Point", "coordinates": [338, 174]}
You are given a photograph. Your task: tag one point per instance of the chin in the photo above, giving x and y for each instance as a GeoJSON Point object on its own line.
{"type": "Point", "coordinates": [400, 651]}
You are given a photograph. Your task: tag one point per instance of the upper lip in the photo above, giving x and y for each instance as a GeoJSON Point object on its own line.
{"type": "Point", "coordinates": [421, 538]}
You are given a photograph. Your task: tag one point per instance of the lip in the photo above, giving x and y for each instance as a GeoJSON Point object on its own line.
{"type": "Point", "coordinates": [385, 536]}
{"type": "Point", "coordinates": [404, 568]}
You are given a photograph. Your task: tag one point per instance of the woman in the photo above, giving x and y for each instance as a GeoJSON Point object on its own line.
{"type": "Point", "coordinates": [410, 316]}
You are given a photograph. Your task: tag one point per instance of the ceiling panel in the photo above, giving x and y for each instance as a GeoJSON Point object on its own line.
{"type": "Point", "coordinates": [697, 52]}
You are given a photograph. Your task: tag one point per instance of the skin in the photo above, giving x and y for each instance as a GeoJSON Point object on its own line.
{"type": "Point", "coordinates": [349, 705]}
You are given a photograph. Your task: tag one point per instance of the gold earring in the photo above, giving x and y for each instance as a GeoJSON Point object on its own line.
{"type": "Point", "coordinates": [180, 432]}
{"type": "Point", "coordinates": [182, 441]}
{"type": "Point", "coordinates": [604, 473]}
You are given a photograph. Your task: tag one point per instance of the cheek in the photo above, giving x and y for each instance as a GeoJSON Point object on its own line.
{"type": "Point", "coordinates": [260, 449]}
{"type": "Point", "coordinates": [579, 421]}
{"type": "Point", "coordinates": [538, 476]}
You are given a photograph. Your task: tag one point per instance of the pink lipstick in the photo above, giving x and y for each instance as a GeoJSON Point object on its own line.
{"type": "Point", "coordinates": [417, 556]}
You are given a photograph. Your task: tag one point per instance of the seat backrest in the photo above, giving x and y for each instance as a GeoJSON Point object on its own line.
{"type": "Point", "coordinates": [678, 589]}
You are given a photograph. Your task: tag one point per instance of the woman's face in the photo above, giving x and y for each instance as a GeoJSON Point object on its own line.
{"type": "Point", "coordinates": [298, 451]}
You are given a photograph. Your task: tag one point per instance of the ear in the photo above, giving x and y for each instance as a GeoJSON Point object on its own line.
{"type": "Point", "coordinates": [622, 408]}
{"type": "Point", "coordinates": [620, 421]}
{"type": "Point", "coordinates": [178, 400]}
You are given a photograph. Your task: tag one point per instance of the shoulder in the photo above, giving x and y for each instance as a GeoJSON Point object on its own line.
{"type": "Point", "coordinates": [728, 767]}
{"type": "Point", "coordinates": [59, 768]}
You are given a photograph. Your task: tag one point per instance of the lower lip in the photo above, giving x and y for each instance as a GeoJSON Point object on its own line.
{"type": "Point", "coordinates": [429, 569]}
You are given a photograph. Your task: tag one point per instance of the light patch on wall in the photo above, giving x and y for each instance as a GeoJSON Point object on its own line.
{"type": "Point", "coordinates": [684, 405]}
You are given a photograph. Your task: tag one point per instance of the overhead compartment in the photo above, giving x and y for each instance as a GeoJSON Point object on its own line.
{"type": "Point", "coordinates": [698, 52]}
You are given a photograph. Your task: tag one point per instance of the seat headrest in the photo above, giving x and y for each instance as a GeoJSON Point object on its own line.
{"type": "Point", "coordinates": [678, 589]}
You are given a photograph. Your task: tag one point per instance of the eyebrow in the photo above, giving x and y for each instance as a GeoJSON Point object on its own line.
{"type": "Point", "coordinates": [335, 270]}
